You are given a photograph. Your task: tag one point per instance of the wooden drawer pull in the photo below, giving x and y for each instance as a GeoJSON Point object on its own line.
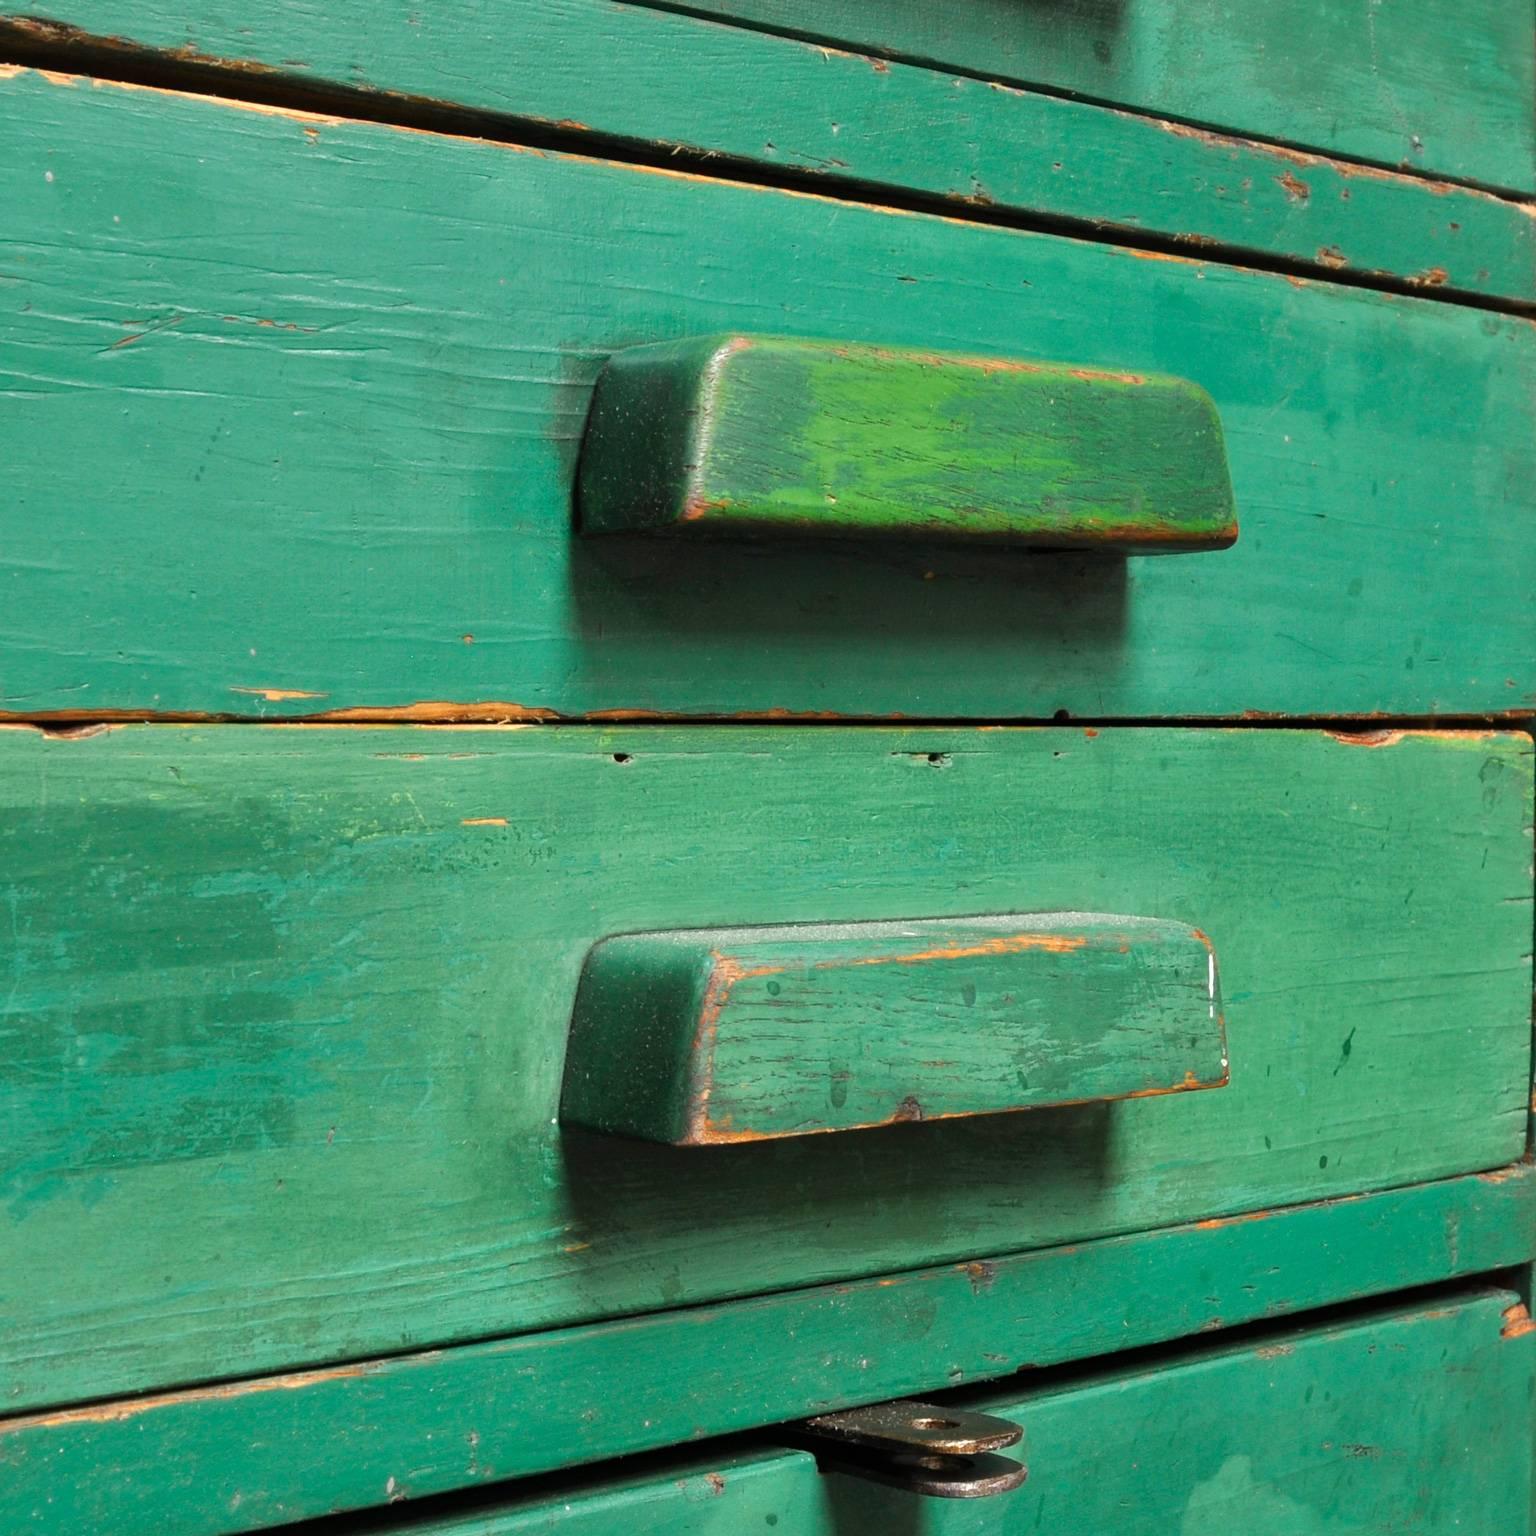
{"type": "Point", "coordinates": [699, 1037]}
{"type": "Point", "coordinates": [766, 437]}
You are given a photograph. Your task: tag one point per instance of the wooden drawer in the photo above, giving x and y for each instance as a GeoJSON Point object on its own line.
{"type": "Point", "coordinates": [1416, 1420]}
{"type": "Point", "coordinates": [246, 1455]}
{"type": "Point", "coordinates": [683, 91]}
{"type": "Point", "coordinates": [1413, 1419]}
{"type": "Point", "coordinates": [288, 1011]}
{"type": "Point", "coordinates": [732, 1492]}
{"type": "Point", "coordinates": [1434, 86]}
{"type": "Point", "coordinates": [329, 463]}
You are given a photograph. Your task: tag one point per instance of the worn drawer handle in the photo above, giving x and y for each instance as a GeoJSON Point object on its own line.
{"type": "Point", "coordinates": [704, 1036]}
{"type": "Point", "coordinates": [768, 437]}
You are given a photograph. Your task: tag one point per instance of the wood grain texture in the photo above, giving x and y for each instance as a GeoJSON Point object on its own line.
{"type": "Point", "coordinates": [1409, 1420]}
{"type": "Point", "coordinates": [328, 463]}
{"type": "Point", "coordinates": [286, 1012]}
{"type": "Point", "coordinates": [248, 1455]}
{"type": "Point", "coordinates": [1439, 85]}
{"type": "Point", "coordinates": [716, 1036]}
{"type": "Point", "coordinates": [769, 437]}
{"type": "Point", "coordinates": [665, 83]}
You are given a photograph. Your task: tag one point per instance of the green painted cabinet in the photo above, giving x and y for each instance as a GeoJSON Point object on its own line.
{"type": "Point", "coordinates": [713, 713]}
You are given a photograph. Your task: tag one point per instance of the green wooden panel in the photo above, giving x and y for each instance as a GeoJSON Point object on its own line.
{"type": "Point", "coordinates": [249, 1455]}
{"type": "Point", "coordinates": [1439, 85]}
{"type": "Point", "coordinates": [1409, 1419]}
{"type": "Point", "coordinates": [736, 1492]}
{"type": "Point", "coordinates": [1412, 1420]}
{"type": "Point", "coordinates": [767, 437]}
{"type": "Point", "coordinates": [287, 1009]}
{"type": "Point", "coordinates": [724, 1035]}
{"type": "Point", "coordinates": [328, 463]}
{"type": "Point", "coordinates": [664, 83]}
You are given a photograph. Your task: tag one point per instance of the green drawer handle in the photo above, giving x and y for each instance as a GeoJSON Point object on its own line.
{"type": "Point", "coordinates": [767, 437]}
{"type": "Point", "coordinates": [704, 1036]}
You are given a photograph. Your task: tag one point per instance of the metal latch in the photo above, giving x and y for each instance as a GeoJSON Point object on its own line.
{"type": "Point", "coordinates": [926, 1448]}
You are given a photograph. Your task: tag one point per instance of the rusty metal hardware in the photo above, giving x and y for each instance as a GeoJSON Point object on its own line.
{"type": "Point", "coordinates": [924, 1448]}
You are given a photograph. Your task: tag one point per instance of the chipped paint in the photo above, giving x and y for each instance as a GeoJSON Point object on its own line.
{"type": "Point", "coordinates": [1503, 1175]}
{"type": "Point", "coordinates": [701, 1129]}
{"type": "Point", "coordinates": [123, 1410]}
{"type": "Point", "coordinates": [1367, 738]}
{"type": "Point", "coordinates": [52, 76]}
{"type": "Point", "coordinates": [65, 732]}
{"type": "Point", "coordinates": [1461, 736]}
{"type": "Point", "coordinates": [1345, 170]}
{"type": "Point", "coordinates": [981, 1274]}
{"type": "Point", "coordinates": [699, 507]}
{"type": "Point", "coordinates": [1182, 261]}
{"type": "Point", "coordinates": [1517, 1322]}
{"type": "Point", "coordinates": [270, 325]}
{"type": "Point", "coordinates": [277, 695]}
{"type": "Point", "coordinates": [1007, 944]}
{"type": "Point", "coordinates": [438, 712]}
{"type": "Point", "coordinates": [259, 108]}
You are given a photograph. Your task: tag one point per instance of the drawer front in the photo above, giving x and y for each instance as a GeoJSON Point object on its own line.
{"type": "Point", "coordinates": [1414, 1420]}
{"type": "Point", "coordinates": [734, 1494]}
{"type": "Point", "coordinates": [666, 86]}
{"type": "Point", "coordinates": [330, 464]}
{"type": "Point", "coordinates": [288, 1011]}
{"type": "Point", "coordinates": [1411, 1419]}
{"type": "Point", "coordinates": [1434, 86]}
{"type": "Point", "coordinates": [224, 1459]}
